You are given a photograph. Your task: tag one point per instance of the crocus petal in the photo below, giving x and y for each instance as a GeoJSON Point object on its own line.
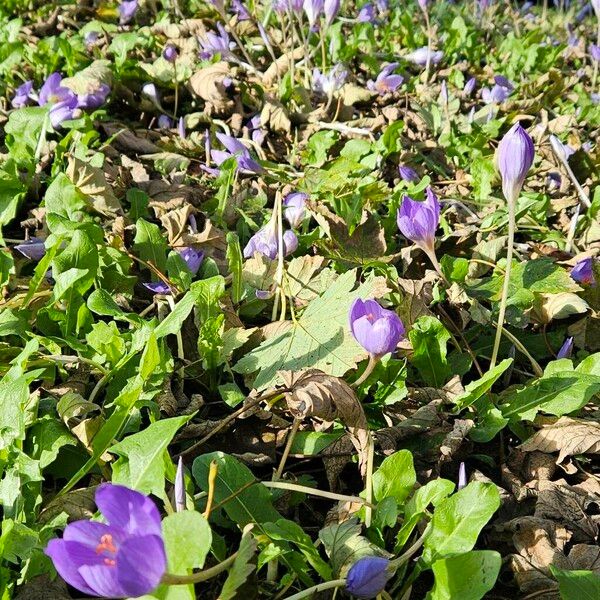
{"type": "Point", "coordinates": [51, 84]}
{"type": "Point", "coordinates": [566, 349]}
{"type": "Point", "coordinates": [68, 558]}
{"type": "Point", "coordinates": [128, 509]}
{"type": "Point", "coordinates": [33, 249]}
{"type": "Point", "coordinates": [368, 576]}
{"type": "Point", "coordinates": [514, 157]}
{"type": "Point", "coordinates": [141, 563]}
{"type": "Point", "coordinates": [103, 580]}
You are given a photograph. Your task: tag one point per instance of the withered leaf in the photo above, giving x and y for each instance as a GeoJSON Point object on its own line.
{"type": "Point", "coordinates": [207, 83]}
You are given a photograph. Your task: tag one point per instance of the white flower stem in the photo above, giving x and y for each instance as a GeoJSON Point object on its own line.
{"type": "Point", "coordinates": [512, 201]}
{"type": "Point", "coordinates": [320, 587]}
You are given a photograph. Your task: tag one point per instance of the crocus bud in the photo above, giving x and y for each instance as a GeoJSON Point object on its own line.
{"type": "Point", "coordinates": [149, 90]}
{"type": "Point", "coordinates": [376, 329]}
{"type": "Point", "coordinates": [33, 249]}
{"type": "Point", "coordinates": [164, 122]}
{"type": "Point", "coordinates": [193, 258]}
{"type": "Point", "coordinates": [295, 208]}
{"type": "Point", "coordinates": [408, 173]}
{"type": "Point", "coordinates": [368, 576]}
{"type": "Point", "coordinates": [181, 128]}
{"type": "Point", "coordinates": [583, 272]}
{"type": "Point", "coordinates": [127, 10]}
{"type": "Point", "coordinates": [179, 487]}
{"type": "Point", "coordinates": [462, 476]}
{"type": "Point", "coordinates": [170, 53]}
{"type": "Point", "coordinates": [514, 159]}
{"type": "Point", "coordinates": [470, 86]}
{"type": "Point", "coordinates": [331, 9]}
{"type": "Point", "coordinates": [418, 221]}
{"type": "Point", "coordinates": [566, 349]}
{"type": "Point", "coordinates": [313, 9]}
{"type": "Point", "coordinates": [290, 242]}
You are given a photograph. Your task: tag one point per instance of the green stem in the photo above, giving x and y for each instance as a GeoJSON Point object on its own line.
{"type": "Point", "coordinates": [294, 487]}
{"type": "Point", "coordinates": [320, 587]}
{"type": "Point", "coordinates": [512, 201]}
{"type": "Point", "coordinates": [170, 579]}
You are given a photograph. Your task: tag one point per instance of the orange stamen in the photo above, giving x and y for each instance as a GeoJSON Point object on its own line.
{"type": "Point", "coordinates": [106, 544]}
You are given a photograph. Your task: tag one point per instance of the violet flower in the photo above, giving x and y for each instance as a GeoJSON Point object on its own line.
{"type": "Point", "coordinates": [419, 56]}
{"type": "Point", "coordinates": [295, 208]}
{"type": "Point", "coordinates": [33, 249]}
{"type": "Point", "coordinates": [462, 476]}
{"type": "Point", "coordinates": [553, 181]}
{"type": "Point", "coordinates": [331, 82]}
{"type": "Point", "coordinates": [124, 557]}
{"type": "Point", "coordinates": [53, 93]}
{"type": "Point", "coordinates": [563, 151]}
{"type": "Point", "coordinates": [216, 43]}
{"type": "Point", "coordinates": [313, 10]}
{"type": "Point", "coordinates": [469, 86]}
{"type": "Point", "coordinates": [170, 53]}
{"type": "Point", "coordinates": [165, 122]}
{"type": "Point", "coordinates": [91, 38]}
{"type": "Point", "coordinates": [158, 287]}
{"type": "Point", "coordinates": [514, 158]}
{"type": "Point", "coordinates": [376, 329]}
{"type": "Point", "coordinates": [408, 173]}
{"type": "Point", "coordinates": [501, 90]}
{"type": "Point", "coordinates": [257, 133]}
{"type": "Point", "coordinates": [418, 221]}
{"type": "Point", "coordinates": [595, 52]}
{"type": "Point", "coordinates": [150, 91]}
{"type": "Point", "coordinates": [179, 487]}
{"type": "Point", "coordinates": [264, 241]}
{"type": "Point", "coordinates": [22, 95]}
{"type": "Point", "coordinates": [386, 82]}
{"type": "Point", "coordinates": [368, 576]}
{"type": "Point", "coordinates": [331, 9]}
{"type": "Point", "coordinates": [280, 6]}
{"type": "Point", "coordinates": [94, 99]}
{"type": "Point", "coordinates": [566, 349]}
{"type": "Point", "coordinates": [583, 272]}
{"type": "Point", "coordinates": [127, 10]}
{"type": "Point", "coordinates": [290, 242]}
{"type": "Point", "coordinates": [233, 147]}
{"type": "Point", "coordinates": [366, 14]}
{"type": "Point", "coordinates": [193, 258]}
{"type": "Point", "coordinates": [240, 10]}
{"type": "Point", "coordinates": [63, 111]}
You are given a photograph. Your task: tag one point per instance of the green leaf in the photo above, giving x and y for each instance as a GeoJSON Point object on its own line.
{"type": "Point", "coordinates": [458, 520]}
{"type": "Point", "coordinates": [476, 389]}
{"type": "Point", "coordinates": [429, 338]}
{"type": "Point", "coordinates": [252, 505]}
{"type": "Point", "coordinates": [319, 339]}
{"type": "Point", "coordinates": [141, 462]}
{"type": "Point", "coordinates": [188, 538]}
{"type": "Point", "coordinates": [241, 569]}
{"type": "Point", "coordinates": [395, 477]}
{"type": "Point", "coordinates": [12, 191]}
{"type": "Point", "coordinates": [235, 262]}
{"type": "Point", "coordinates": [76, 266]}
{"type": "Point", "coordinates": [23, 131]}
{"type": "Point", "coordinates": [466, 576]}
{"type": "Point", "coordinates": [47, 437]}
{"type": "Point", "coordinates": [150, 244]}
{"type": "Point", "coordinates": [577, 585]}
{"type": "Point", "coordinates": [65, 199]}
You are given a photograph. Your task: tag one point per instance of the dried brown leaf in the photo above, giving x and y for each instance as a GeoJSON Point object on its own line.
{"type": "Point", "coordinates": [207, 84]}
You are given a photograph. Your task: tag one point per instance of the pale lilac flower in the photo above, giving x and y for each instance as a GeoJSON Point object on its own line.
{"type": "Point", "coordinates": [595, 52]}
{"type": "Point", "coordinates": [264, 241]}
{"type": "Point", "coordinates": [553, 181]}
{"type": "Point", "coordinates": [295, 208]}
{"type": "Point", "coordinates": [313, 10]}
{"type": "Point", "coordinates": [418, 221]}
{"type": "Point", "coordinates": [566, 349]}
{"type": "Point", "coordinates": [179, 487]}
{"type": "Point", "coordinates": [170, 53]}
{"type": "Point", "coordinates": [423, 4]}
{"type": "Point", "coordinates": [63, 111]}
{"type": "Point", "coordinates": [419, 56]}
{"type": "Point", "coordinates": [386, 82]}
{"type": "Point", "coordinates": [233, 147]}
{"type": "Point", "coordinates": [462, 477]}
{"type": "Point", "coordinates": [408, 173]}
{"type": "Point", "coordinates": [33, 249]}
{"type": "Point", "coordinates": [165, 122]}
{"type": "Point", "coordinates": [158, 287]}
{"type": "Point", "coordinates": [151, 92]}
{"type": "Point", "coordinates": [583, 272]}
{"type": "Point", "coordinates": [181, 128]}
{"type": "Point", "coordinates": [257, 133]}
{"type": "Point", "coordinates": [240, 10]}
{"type": "Point", "coordinates": [331, 9]}
{"type": "Point", "coordinates": [564, 151]}
{"type": "Point", "coordinates": [496, 95]}
{"type": "Point", "coordinates": [216, 43]}
{"type": "Point", "coordinates": [127, 10]}
{"type": "Point", "coordinates": [52, 92]}
{"type": "Point", "coordinates": [376, 329]}
{"type": "Point", "coordinates": [290, 242]}
{"type": "Point", "coordinates": [444, 92]}
{"type": "Point", "coordinates": [193, 258]}
{"type": "Point", "coordinates": [94, 99]}
{"type": "Point", "coordinates": [366, 14]}
{"type": "Point", "coordinates": [22, 95]}
{"type": "Point", "coordinates": [514, 158]}
{"type": "Point", "coordinates": [91, 38]}
{"type": "Point", "coordinates": [331, 82]}
{"type": "Point", "coordinates": [469, 86]}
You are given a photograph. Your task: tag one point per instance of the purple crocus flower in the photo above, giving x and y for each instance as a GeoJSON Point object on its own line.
{"type": "Point", "coordinates": [240, 10]}
{"type": "Point", "coordinates": [216, 43]}
{"type": "Point", "coordinates": [63, 111]}
{"type": "Point", "coordinates": [331, 9]}
{"type": "Point", "coordinates": [566, 349]}
{"type": "Point", "coordinates": [193, 258]}
{"type": "Point", "coordinates": [91, 38]}
{"type": "Point", "coordinates": [504, 82]}
{"type": "Point", "coordinates": [368, 576]}
{"type": "Point", "coordinates": [264, 241]}
{"type": "Point", "coordinates": [181, 128]}
{"type": "Point", "coordinates": [514, 158]}
{"type": "Point", "coordinates": [462, 476]}
{"type": "Point", "coordinates": [33, 249]}
{"type": "Point", "coordinates": [94, 99]}
{"type": "Point", "coordinates": [165, 122]}
{"type": "Point", "coordinates": [52, 92]}
{"type": "Point", "coordinates": [158, 287]}
{"type": "Point", "coordinates": [419, 56]}
{"type": "Point", "coordinates": [290, 242]}
{"type": "Point", "coordinates": [583, 272]}
{"type": "Point", "coordinates": [124, 557]}
{"type": "Point", "coordinates": [295, 210]}
{"type": "Point", "coordinates": [22, 95]}
{"type": "Point", "coordinates": [408, 174]}
{"type": "Point", "coordinates": [366, 14]}
{"type": "Point", "coordinates": [280, 6]}
{"type": "Point", "coordinates": [418, 221]}
{"type": "Point", "coordinates": [179, 487]}
{"type": "Point", "coordinates": [469, 86]}
{"type": "Point", "coordinates": [595, 52]}
{"type": "Point", "coordinates": [257, 133]}
{"type": "Point", "coordinates": [386, 82]}
{"type": "Point", "coordinates": [376, 329]}
{"type": "Point", "coordinates": [233, 147]}
{"type": "Point", "coordinates": [170, 53]}
{"type": "Point", "coordinates": [127, 10]}
{"type": "Point", "coordinates": [333, 81]}
{"type": "Point", "coordinates": [313, 10]}
{"type": "Point", "coordinates": [496, 95]}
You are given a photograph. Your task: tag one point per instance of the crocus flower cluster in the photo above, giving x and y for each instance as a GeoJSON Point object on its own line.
{"type": "Point", "coordinates": [583, 272]}
{"type": "Point", "coordinates": [123, 557]}
{"type": "Point", "coordinates": [514, 158]}
{"type": "Point", "coordinates": [499, 92]}
{"type": "Point", "coordinates": [386, 81]}
{"type": "Point", "coordinates": [368, 576]}
{"type": "Point", "coordinates": [233, 147]}
{"type": "Point", "coordinates": [376, 329]}
{"type": "Point", "coordinates": [330, 82]}
{"type": "Point", "coordinates": [63, 102]}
